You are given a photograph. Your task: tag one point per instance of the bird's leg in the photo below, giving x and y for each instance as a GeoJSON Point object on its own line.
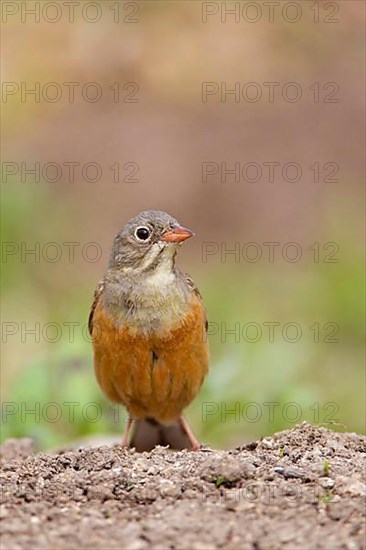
{"type": "Point", "coordinates": [124, 442]}
{"type": "Point", "coordinates": [185, 426]}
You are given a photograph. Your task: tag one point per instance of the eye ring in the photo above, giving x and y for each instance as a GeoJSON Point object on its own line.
{"type": "Point", "coordinates": [142, 233]}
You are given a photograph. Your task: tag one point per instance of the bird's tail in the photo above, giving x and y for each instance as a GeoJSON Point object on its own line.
{"type": "Point", "coordinates": [148, 433]}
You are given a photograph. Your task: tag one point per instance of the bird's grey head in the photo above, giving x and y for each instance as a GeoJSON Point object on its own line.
{"type": "Point", "coordinates": [147, 241]}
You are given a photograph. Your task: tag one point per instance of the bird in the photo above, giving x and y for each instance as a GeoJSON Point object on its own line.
{"type": "Point", "coordinates": [148, 327]}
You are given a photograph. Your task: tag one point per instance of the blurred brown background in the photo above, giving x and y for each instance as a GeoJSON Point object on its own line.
{"type": "Point", "coordinates": [167, 52]}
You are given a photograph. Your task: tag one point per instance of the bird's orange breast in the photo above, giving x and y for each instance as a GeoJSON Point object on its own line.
{"type": "Point", "coordinates": [152, 376]}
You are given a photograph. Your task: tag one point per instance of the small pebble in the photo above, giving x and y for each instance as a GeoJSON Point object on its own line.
{"type": "Point", "coordinates": [327, 483]}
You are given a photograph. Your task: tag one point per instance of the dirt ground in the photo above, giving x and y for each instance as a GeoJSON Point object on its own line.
{"type": "Point", "coordinates": [303, 488]}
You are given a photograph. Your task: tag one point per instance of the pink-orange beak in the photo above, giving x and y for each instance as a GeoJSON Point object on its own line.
{"type": "Point", "coordinates": [177, 235]}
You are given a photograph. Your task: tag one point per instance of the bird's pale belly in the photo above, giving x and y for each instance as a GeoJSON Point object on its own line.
{"type": "Point", "coordinates": [152, 376]}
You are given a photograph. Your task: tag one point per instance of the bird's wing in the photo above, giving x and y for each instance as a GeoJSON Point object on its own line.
{"type": "Point", "coordinates": [192, 286]}
{"type": "Point", "coordinates": [97, 295]}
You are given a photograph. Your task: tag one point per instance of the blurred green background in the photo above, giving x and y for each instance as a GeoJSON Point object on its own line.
{"type": "Point", "coordinates": [169, 132]}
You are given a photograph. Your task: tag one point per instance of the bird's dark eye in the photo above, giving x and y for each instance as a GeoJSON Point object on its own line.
{"type": "Point", "coordinates": [142, 233]}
